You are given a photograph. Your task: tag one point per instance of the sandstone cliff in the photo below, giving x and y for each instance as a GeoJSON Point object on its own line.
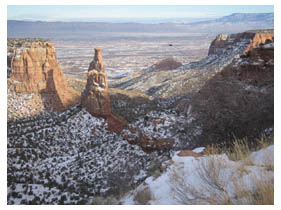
{"type": "Point", "coordinates": [251, 39]}
{"type": "Point", "coordinates": [259, 38]}
{"type": "Point", "coordinates": [35, 69]}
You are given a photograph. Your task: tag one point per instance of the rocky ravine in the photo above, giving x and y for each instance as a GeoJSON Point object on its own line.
{"type": "Point", "coordinates": [236, 101]}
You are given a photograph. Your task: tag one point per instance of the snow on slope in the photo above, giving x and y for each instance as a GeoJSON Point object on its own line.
{"type": "Point", "coordinates": [186, 173]}
{"type": "Point", "coordinates": [70, 158]}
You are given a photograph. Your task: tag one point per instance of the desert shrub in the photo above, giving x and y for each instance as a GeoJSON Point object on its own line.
{"type": "Point", "coordinates": [268, 41]}
{"type": "Point", "coordinates": [143, 196]}
{"type": "Point", "coordinates": [156, 173]}
{"type": "Point", "coordinates": [249, 54]}
{"type": "Point", "coordinates": [208, 171]}
{"type": "Point", "coordinates": [239, 150]}
{"type": "Point", "coordinates": [109, 200]}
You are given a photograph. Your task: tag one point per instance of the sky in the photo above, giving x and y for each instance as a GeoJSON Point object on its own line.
{"type": "Point", "coordinates": [74, 12]}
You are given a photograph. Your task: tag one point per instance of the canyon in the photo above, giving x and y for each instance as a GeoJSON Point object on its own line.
{"type": "Point", "coordinates": [106, 137]}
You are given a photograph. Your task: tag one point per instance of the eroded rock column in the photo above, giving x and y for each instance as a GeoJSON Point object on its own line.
{"type": "Point", "coordinates": [95, 96]}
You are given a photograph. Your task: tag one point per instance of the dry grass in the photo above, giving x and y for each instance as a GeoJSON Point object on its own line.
{"type": "Point", "coordinates": [109, 200]}
{"type": "Point", "coordinates": [143, 196]}
{"type": "Point", "coordinates": [263, 194]}
{"type": "Point", "coordinates": [239, 151]}
{"type": "Point", "coordinates": [215, 189]}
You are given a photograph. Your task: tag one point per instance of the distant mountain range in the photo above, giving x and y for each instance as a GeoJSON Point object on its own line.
{"type": "Point", "coordinates": [237, 22]}
{"type": "Point", "coordinates": [241, 17]}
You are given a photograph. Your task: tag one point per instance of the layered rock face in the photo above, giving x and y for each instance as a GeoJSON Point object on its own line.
{"type": "Point", "coordinates": [95, 96]}
{"type": "Point", "coordinates": [35, 69]}
{"type": "Point", "coordinates": [259, 38]}
{"type": "Point", "coordinates": [251, 39]}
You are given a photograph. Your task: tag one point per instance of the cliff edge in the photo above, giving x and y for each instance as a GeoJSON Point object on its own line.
{"type": "Point", "coordinates": [35, 69]}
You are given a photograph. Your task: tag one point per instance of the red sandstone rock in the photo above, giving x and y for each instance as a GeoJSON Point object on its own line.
{"type": "Point", "coordinates": [167, 64]}
{"type": "Point", "coordinates": [95, 96]}
{"type": "Point", "coordinates": [115, 124]}
{"type": "Point", "coordinates": [219, 43]}
{"type": "Point", "coordinates": [259, 39]}
{"type": "Point", "coordinates": [149, 144]}
{"type": "Point", "coordinates": [146, 142]}
{"type": "Point", "coordinates": [222, 41]}
{"type": "Point", "coordinates": [35, 69]}
{"type": "Point", "coordinates": [184, 153]}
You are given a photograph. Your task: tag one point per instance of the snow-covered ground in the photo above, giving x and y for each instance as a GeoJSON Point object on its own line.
{"type": "Point", "coordinates": [23, 105]}
{"type": "Point", "coordinates": [165, 125]}
{"type": "Point", "coordinates": [192, 180]}
{"type": "Point", "coordinates": [70, 157]}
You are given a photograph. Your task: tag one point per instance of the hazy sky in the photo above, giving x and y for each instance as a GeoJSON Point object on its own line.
{"type": "Point", "coordinates": [54, 13]}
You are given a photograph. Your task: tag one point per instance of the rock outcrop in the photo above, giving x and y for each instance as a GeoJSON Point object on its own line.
{"type": "Point", "coordinates": [35, 69]}
{"type": "Point", "coordinates": [251, 39]}
{"type": "Point", "coordinates": [259, 38]}
{"type": "Point", "coordinates": [95, 96]}
{"type": "Point", "coordinates": [148, 143]}
{"type": "Point", "coordinates": [166, 64]}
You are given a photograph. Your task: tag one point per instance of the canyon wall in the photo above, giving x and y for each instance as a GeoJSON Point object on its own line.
{"type": "Point", "coordinates": [35, 69]}
{"type": "Point", "coordinates": [251, 39]}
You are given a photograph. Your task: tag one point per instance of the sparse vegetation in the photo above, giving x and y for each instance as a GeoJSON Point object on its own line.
{"type": "Point", "coordinates": [268, 41]}
{"type": "Point", "coordinates": [143, 196]}
{"type": "Point", "coordinates": [215, 187]}
{"type": "Point", "coordinates": [109, 200]}
{"type": "Point", "coordinates": [76, 84]}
